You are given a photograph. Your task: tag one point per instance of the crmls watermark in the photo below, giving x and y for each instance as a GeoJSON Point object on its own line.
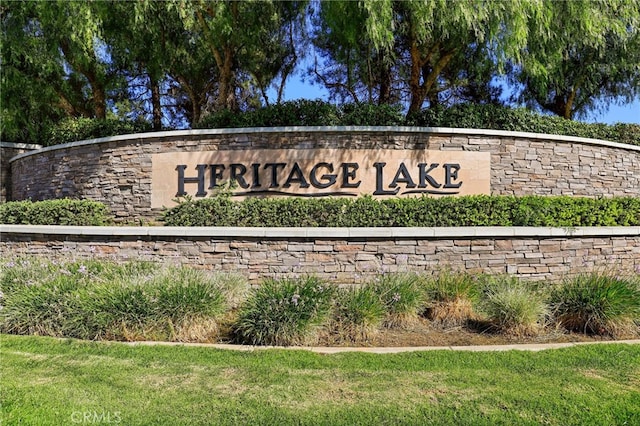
{"type": "Point", "coordinates": [96, 417]}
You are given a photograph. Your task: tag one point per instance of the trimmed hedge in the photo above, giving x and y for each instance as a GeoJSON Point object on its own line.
{"type": "Point", "coordinates": [77, 129]}
{"type": "Point", "coordinates": [483, 210]}
{"type": "Point", "coordinates": [486, 116]}
{"type": "Point", "coordinates": [319, 113]}
{"type": "Point", "coordinates": [55, 212]}
{"type": "Point", "coordinates": [475, 116]}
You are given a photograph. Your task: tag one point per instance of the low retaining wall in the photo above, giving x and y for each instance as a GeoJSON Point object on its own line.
{"type": "Point", "coordinates": [344, 255]}
{"type": "Point", "coordinates": [118, 170]}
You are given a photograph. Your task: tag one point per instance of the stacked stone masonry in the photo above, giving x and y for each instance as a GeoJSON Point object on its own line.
{"type": "Point", "coordinates": [117, 170]}
{"type": "Point", "coordinates": [9, 150]}
{"type": "Point", "coordinates": [348, 260]}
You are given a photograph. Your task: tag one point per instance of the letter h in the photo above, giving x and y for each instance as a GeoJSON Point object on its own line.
{"type": "Point", "coordinates": [199, 180]}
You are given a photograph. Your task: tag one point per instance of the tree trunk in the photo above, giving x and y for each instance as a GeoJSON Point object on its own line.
{"type": "Point", "coordinates": [385, 82]}
{"type": "Point", "coordinates": [155, 103]}
{"type": "Point", "coordinates": [91, 73]}
{"type": "Point", "coordinates": [226, 96]}
{"type": "Point", "coordinates": [417, 97]}
{"type": "Point", "coordinates": [99, 101]}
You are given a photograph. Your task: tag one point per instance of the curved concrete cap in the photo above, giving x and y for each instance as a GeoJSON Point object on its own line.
{"type": "Point", "coordinates": [319, 233]}
{"type": "Point", "coordinates": [329, 129]}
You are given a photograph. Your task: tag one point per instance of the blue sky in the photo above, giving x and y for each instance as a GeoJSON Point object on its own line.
{"type": "Point", "coordinates": [629, 113]}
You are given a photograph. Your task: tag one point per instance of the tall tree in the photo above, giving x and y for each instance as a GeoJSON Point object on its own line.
{"type": "Point", "coordinates": [352, 67]}
{"type": "Point", "coordinates": [53, 51]}
{"type": "Point", "coordinates": [437, 33]}
{"type": "Point", "coordinates": [171, 74]}
{"type": "Point", "coordinates": [581, 55]}
{"type": "Point", "coordinates": [428, 42]}
{"type": "Point", "coordinates": [242, 38]}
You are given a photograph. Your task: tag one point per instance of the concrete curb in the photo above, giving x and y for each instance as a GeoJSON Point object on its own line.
{"type": "Point", "coordinates": [533, 347]}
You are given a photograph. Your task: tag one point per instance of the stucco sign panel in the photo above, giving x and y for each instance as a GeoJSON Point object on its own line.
{"type": "Point", "coordinates": [319, 173]}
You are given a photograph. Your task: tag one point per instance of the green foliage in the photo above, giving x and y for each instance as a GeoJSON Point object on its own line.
{"type": "Point", "coordinates": [284, 312]}
{"type": "Point", "coordinates": [220, 210]}
{"type": "Point", "coordinates": [513, 307]}
{"type": "Point", "coordinates": [357, 314]}
{"type": "Point", "coordinates": [451, 298]}
{"type": "Point", "coordinates": [176, 61]}
{"type": "Point", "coordinates": [402, 296]}
{"type": "Point", "coordinates": [581, 55]}
{"type": "Point", "coordinates": [293, 113]}
{"type": "Point", "coordinates": [560, 211]}
{"type": "Point", "coordinates": [91, 299]}
{"type": "Point", "coordinates": [77, 129]}
{"type": "Point", "coordinates": [489, 116]}
{"type": "Point", "coordinates": [447, 286]}
{"type": "Point", "coordinates": [371, 115]}
{"type": "Point", "coordinates": [598, 303]}
{"type": "Point", "coordinates": [306, 113]}
{"type": "Point", "coordinates": [183, 292]}
{"type": "Point", "coordinates": [55, 212]}
{"type": "Point", "coordinates": [467, 115]}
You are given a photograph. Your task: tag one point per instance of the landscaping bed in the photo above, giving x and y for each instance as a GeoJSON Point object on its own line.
{"type": "Point", "coordinates": [135, 301]}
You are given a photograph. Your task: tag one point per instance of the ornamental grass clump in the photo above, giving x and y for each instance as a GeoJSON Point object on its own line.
{"type": "Point", "coordinates": [187, 302]}
{"type": "Point", "coordinates": [402, 296]}
{"type": "Point", "coordinates": [173, 303]}
{"type": "Point", "coordinates": [284, 312]}
{"type": "Point", "coordinates": [357, 315]}
{"type": "Point", "coordinates": [103, 300]}
{"type": "Point", "coordinates": [44, 298]}
{"type": "Point", "coordinates": [514, 308]}
{"type": "Point", "coordinates": [600, 304]}
{"type": "Point", "coordinates": [451, 298]}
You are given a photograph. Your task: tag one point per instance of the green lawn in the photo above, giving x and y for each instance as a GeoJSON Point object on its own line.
{"type": "Point", "coordinates": [47, 381]}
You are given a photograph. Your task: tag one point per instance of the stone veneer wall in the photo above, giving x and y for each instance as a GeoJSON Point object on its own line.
{"type": "Point", "coordinates": [343, 255]}
{"type": "Point", "coordinates": [117, 170]}
{"type": "Point", "coordinates": [9, 150]}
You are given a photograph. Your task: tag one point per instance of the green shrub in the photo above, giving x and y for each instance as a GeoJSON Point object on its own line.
{"type": "Point", "coordinates": [306, 113]}
{"type": "Point", "coordinates": [186, 292]}
{"type": "Point", "coordinates": [284, 312]}
{"type": "Point", "coordinates": [477, 116]}
{"type": "Point", "coordinates": [479, 210]}
{"type": "Point", "coordinates": [55, 212]}
{"type": "Point", "coordinates": [514, 308]}
{"type": "Point", "coordinates": [43, 297]}
{"type": "Point", "coordinates": [214, 211]}
{"type": "Point", "coordinates": [175, 303]}
{"type": "Point", "coordinates": [402, 296]}
{"type": "Point", "coordinates": [487, 116]}
{"type": "Point", "coordinates": [102, 300]}
{"type": "Point", "coordinates": [40, 309]}
{"type": "Point", "coordinates": [357, 315]}
{"type": "Point", "coordinates": [318, 113]}
{"type": "Point", "coordinates": [77, 129]}
{"type": "Point", "coordinates": [598, 303]}
{"type": "Point", "coordinates": [451, 298]}
{"type": "Point", "coordinates": [371, 115]}
{"type": "Point", "coordinates": [292, 113]}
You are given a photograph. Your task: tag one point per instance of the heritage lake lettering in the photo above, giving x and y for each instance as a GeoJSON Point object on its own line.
{"type": "Point", "coordinates": [319, 173]}
{"type": "Point", "coordinates": [338, 180]}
